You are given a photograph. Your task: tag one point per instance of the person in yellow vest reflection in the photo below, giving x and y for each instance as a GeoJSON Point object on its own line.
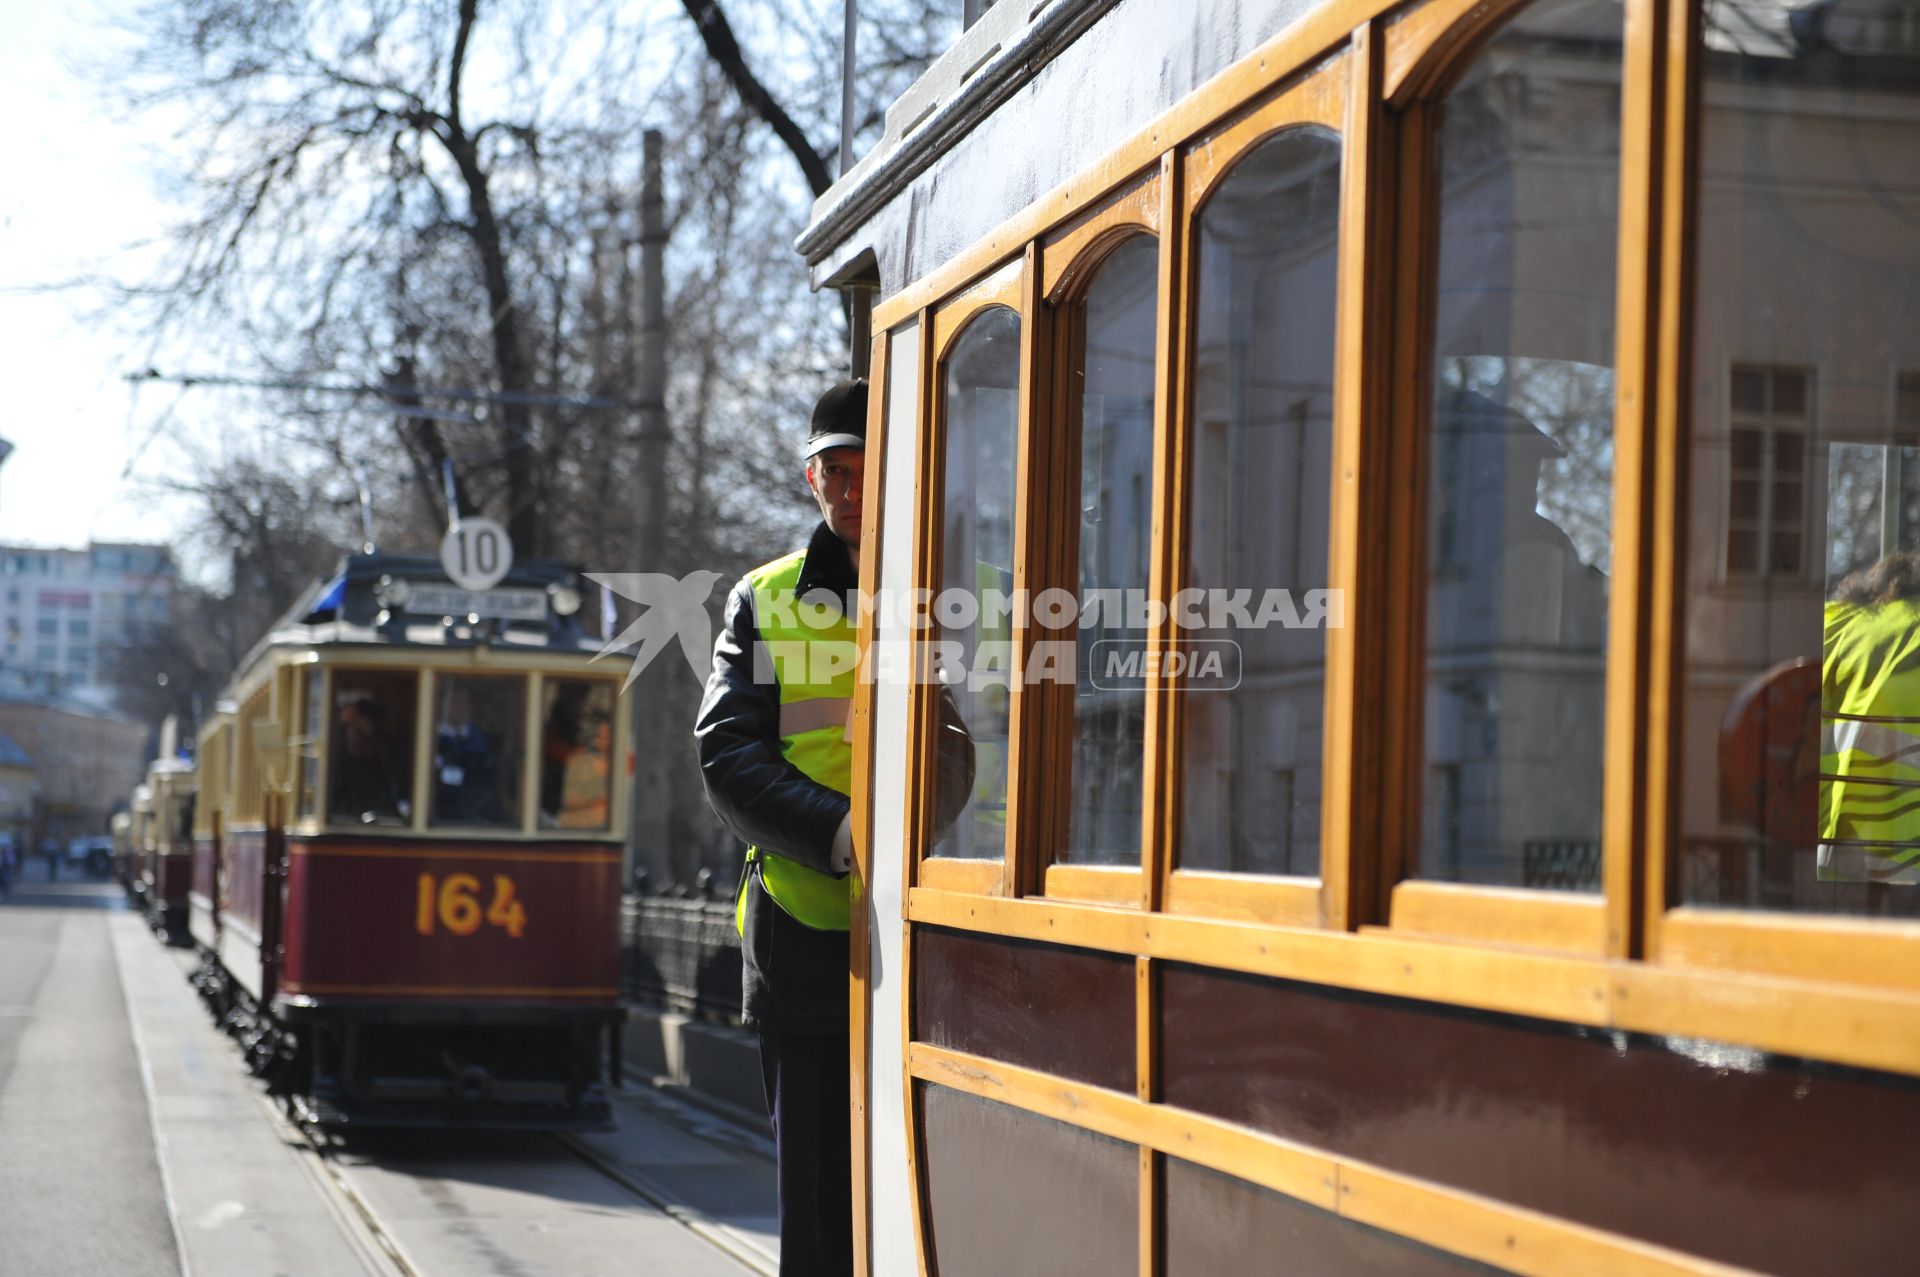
{"type": "Point", "coordinates": [1870, 719]}
{"type": "Point", "coordinates": [777, 761]}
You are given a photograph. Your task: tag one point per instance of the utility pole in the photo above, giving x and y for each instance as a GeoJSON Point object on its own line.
{"type": "Point", "coordinates": [650, 803]}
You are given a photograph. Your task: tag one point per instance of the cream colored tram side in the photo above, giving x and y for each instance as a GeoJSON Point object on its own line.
{"type": "Point", "coordinates": [1576, 347]}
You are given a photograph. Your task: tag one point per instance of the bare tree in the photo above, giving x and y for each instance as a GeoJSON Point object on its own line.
{"type": "Point", "coordinates": [440, 202]}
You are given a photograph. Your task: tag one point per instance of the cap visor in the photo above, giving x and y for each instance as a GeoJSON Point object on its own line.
{"type": "Point", "coordinates": [820, 443]}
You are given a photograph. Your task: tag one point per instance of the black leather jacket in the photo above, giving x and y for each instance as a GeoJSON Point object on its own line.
{"type": "Point", "coordinates": [794, 978]}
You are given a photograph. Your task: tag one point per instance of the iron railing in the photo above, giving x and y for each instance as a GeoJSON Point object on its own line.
{"type": "Point", "coordinates": [679, 951]}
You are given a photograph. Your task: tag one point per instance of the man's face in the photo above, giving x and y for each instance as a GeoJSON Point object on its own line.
{"type": "Point", "coordinates": [834, 476]}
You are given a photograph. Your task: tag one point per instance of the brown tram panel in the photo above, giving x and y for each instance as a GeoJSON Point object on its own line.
{"type": "Point", "coordinates": [1218, 1223]}
{"type": "Point", "coordinates": [1069, 1012]}
{"type": "Point", "coordinates": [1014, 1193]}
{"type": "Point", "coordinates": [1775, 1165]}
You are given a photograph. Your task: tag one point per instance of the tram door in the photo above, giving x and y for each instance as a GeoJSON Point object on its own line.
{"type": "Point", "coordinates": [273, 879]}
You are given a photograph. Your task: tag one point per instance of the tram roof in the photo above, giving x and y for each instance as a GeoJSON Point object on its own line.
{"type": "Point", "coordinates": [406, 600]}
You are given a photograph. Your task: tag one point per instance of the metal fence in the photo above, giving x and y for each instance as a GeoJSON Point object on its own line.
{"type": "Point", "coordinates": [1568, 865]}
{"type": "Point", "coordinates": [680, 952]}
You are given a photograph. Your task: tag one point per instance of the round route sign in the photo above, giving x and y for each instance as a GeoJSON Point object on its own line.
{"type": "Point", "coordinates": [476, 553]}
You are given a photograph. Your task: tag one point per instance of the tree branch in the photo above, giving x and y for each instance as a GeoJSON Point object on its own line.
{"type": "Point", "coordinates": [717, 34]}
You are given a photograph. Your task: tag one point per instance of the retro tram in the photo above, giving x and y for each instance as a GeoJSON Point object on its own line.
{"type": "Point", "coordinates": [407, 855]}
{"type": "Point", "coordinates": [160, 840]}
{"type": "Point", "coordinates": [1515, 919]}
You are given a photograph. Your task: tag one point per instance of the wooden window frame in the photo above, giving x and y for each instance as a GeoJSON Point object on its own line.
{"type": "Point", "coordinates": [1320, 96]}
{"type": "Point", "coordinates": [1071, 259]}
{"type": "Point", "coordinates": [1008, 284]}
{"type": "Point", "coordinates": [1424, 55]}
{"type": "Point", "coordinates": [1871, 962]}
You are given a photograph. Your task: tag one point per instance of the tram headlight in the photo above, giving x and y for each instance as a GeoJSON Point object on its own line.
{"type": "Point", "coordinates": [391, 593]}
{"type": "Point", "coordinates": [565, 596]}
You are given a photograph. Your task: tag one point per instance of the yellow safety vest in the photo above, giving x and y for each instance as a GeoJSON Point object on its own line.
{"type": "Point", "coordinates": [1870, 746]}
{"type": "Point", "coordinates": [814, 653]}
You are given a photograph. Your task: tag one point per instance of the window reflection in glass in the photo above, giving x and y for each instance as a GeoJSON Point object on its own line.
{"type": "Point", "coordinates": [370, 753]}
{"type": "Point", "coordinates": [1116, 520]}
{"type": "Point", "coordinates": [1801, 696]}
{"type": "Point", "coordinates": [479, 734]}
{"type": "Point", "coordinates": [1262, 458]}
{"type": "Point", "coordinates": [312, 725]}
{"type": "Point", "coordinates": [980, 403]}
{"type": "Point", "coordinates": [576, 754]}
{"type": "Point", "coordinates": [1521, 454]}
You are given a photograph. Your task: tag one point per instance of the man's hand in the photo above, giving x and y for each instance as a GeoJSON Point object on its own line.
{"type": "Point", "coordinates": [843, 846]}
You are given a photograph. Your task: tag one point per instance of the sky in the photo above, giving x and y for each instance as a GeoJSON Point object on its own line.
{"type": "Point", "coordinates": [77, 188]}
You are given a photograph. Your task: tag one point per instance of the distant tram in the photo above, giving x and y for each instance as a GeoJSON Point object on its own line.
{"type": "Point", "coordinates": [408, 852]}
{"type": "Point", "coordinates": [1517, 404]}
{"type": "Point", "coordinates": [162, 833]}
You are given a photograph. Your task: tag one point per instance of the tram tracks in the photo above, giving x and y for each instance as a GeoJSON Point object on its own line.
{"type": "Point", "coordinates": [736, 1245]}
{"type": "Point", "coordinates": [385, 1250]}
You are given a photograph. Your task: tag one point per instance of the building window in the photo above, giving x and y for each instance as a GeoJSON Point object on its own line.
{"type": "Point", "coordinates": [78, 628]}
{"type": "Point", "coordinates": [1768, 425]}
{"type": "Point", "coordinates": [49, 627]}
{"type": "Point", "coordinates": [46, 656]}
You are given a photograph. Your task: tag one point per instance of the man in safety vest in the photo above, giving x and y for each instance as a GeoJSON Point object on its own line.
{"type": "Point", "coordinates": [1870, 706]}
{"type": "Point", "coordinates": [777, 759]}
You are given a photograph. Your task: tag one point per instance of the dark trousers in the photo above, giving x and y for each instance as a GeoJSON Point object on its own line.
{"type": "Point", "coordinates": [807, 1080]}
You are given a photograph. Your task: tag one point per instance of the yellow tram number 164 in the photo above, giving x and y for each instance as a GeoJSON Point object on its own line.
{"type": "Point", "coordinates": [455, 902]}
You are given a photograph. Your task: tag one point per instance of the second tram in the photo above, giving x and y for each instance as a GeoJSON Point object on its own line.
{"type": "Point", "coordinates": [408, 852]}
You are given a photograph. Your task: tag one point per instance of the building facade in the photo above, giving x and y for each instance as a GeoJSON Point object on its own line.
{"type": "Point", "coordinates": [64, 612]}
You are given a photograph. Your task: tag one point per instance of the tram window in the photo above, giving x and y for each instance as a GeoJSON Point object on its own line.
{"type": "Point", "coordinates": [981, 412]}
{"type": "Point", "coordinates": [370, 756]}
{"type": "Point", "coordinates": [1520, 531]}
{"type": "Point", "coordinates": [1261, 482]}
{"type": "Point", "coordinates": [1116, 519]}
{"type": "Point", "coordinates": [1801, 693]}
{"type": "Point", "coordinates": [576, 754]}
{"type": "Point", "coordinates": [312, 727]}
{"type": "Point", "coordinates": [479, 735]}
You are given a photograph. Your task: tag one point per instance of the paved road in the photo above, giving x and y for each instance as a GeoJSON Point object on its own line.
{"type": "Point", "coordinates": [133, 1143]}
{"type": "Point", "coordinates": [80, 1188]}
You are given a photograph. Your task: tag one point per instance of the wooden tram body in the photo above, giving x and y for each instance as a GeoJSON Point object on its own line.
{"type": "Point", "coordinates": [162, 825]}
{"type": "Point", "coordinates": [1485, 927]}
{"type": "Point", "coordinates": [409, 854]}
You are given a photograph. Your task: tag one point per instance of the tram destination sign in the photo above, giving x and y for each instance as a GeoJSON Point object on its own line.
{"type": "Point", "coordinates": [502, 605]}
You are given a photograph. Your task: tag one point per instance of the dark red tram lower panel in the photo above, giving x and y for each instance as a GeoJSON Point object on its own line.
{"type": "Point", "coordinates": [434, 984]}
{"type": "Point", "coordinates": [372, 921]}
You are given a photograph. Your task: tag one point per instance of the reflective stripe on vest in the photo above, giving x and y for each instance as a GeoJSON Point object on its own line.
{"type": "Point", "coordinates": [812, 651]}
{"type": "Point", "coordinates": [1870, 746]}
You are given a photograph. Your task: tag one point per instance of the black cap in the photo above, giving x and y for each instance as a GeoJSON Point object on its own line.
{"type": "Point", "coordinates": [839, 419]}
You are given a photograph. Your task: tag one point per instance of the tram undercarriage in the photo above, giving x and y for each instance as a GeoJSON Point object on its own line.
{"type": "Point", "coordinates": [479, 1068]}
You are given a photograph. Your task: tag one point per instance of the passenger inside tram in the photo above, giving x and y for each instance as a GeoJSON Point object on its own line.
{"type": "Point", "coordinates": [476, 751]}
{"type": "Point", "coordinates": [576, 755]}
{"type": "Point", "coordinates": [362, 764]}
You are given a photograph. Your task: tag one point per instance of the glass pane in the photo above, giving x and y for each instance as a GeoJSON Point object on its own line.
{"type": "Point", "coordinates": [981, 407]}
{"type": "Point", "coordinates": [576, 754]}
{"type": "Point", "coordinates": [1801, 693]}
{"type": "Point", "coordinates": [479, 745]}
{"type": "Point", "coordinates": [370, 763]}
{"type": "Point", "coordinates": [312, 724]}
{"type": "Point", "coordinates": [1262, 468]}
{"type": "Point", "coordinates": [1522, 440]}
{"type": "Point", "coordinates": [1116, 519]}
